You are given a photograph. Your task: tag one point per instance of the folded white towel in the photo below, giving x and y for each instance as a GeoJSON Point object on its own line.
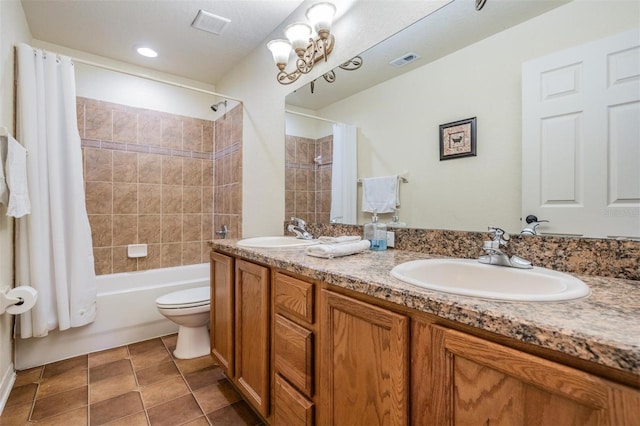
{"type": "Point", "coordinates": [330, 251]}
{"type": "Point", "coordinates": [16, 170]}
{"type": "Point", "coordinates": [339, 240]}
{"type": "Point", "coordinates": [380, 194]}
{"type": "Point", "coordinates": [4, 190]}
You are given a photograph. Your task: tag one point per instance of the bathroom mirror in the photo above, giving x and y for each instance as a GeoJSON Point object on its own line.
{"type": "Point", "coordinates": [467, 64]}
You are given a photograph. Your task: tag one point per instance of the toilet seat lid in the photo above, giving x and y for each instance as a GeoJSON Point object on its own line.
{"type": "Point", "coordinates": [185, 298]}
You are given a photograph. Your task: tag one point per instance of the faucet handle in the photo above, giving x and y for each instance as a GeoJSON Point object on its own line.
{"type": "Point", "coordinates": [301, 223]}
{"type": "Point", "coordinates": [499, 235]}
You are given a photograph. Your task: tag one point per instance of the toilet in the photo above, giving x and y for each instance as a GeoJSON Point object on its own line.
{"type": "Point", "coordinates": [190, 310]}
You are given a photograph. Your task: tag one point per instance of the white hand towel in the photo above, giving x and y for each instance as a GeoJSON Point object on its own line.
{"type": "Point", "coordinates": [4, 190]}
{"type": "Point", "coordinates": [16, 169]}
{"type": "Point", "coordinates": [330, 251]}
{"type": "Point", "coordinates": [339, 240]}
{"type": "Point", "coordinates": [380, 194]}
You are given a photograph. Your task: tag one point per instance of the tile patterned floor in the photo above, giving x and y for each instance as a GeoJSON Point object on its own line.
{"type": "Point", "coordinates": [138, 384]}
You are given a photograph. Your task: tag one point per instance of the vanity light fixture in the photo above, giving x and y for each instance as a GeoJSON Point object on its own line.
{"type": "Point", "coordinates": [308, 49]}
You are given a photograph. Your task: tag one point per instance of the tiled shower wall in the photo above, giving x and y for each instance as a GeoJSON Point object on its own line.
{"type": "Point", "coordinates": [149, 178]}
{"type": "Point", "coordinates": [307, 182]}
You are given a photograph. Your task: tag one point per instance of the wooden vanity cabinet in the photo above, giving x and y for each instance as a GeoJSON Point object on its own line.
{"type": "Point", "coordinates": [364, 363]}
{"type": "Point", "coordinates": [294, 347]}
{"type": "Point", "coordinates": [252, 324]}
{"type": "Point", "coordinates": [303, 352]}
{"type": "Point", "coordinates": [222, 311]}
{"type": "Point", "coordinates": [240, 326]}
{"type": "Point", "coordinates": [480, 382]}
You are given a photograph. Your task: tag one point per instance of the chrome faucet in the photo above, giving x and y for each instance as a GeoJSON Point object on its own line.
{"type": "Point", "coordinates": [532, 224]}
{"type": "Point", "coordinates": [495, 255]}
{"type": "Point", "coordinates": [298, 227]}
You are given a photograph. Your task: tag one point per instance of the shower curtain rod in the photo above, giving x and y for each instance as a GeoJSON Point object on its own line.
{"type": "Point", "coordinates": [148, 77]}
{"type": "Point", "coordinates": [310, 116]}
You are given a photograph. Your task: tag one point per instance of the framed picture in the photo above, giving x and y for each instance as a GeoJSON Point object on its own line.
{"type": "Point", "coordinates": [458, 139]}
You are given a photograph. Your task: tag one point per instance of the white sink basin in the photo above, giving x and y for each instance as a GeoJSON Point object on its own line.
{"type": "Point", "coordinates": [275, 242]}
{"type": "Point", "coordinates": [470, 278]}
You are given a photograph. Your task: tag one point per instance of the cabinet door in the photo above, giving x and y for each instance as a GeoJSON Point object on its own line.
{"type": "Point", "coordinates": [252, 333]}
{"type": "Point", "coordinates": [364, 363]}
{"type": "Point", "coordinates": [486, 383]}
{"type": "Point", "coordinates": [222, 310]}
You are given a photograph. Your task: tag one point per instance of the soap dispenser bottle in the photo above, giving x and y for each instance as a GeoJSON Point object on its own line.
{"type": "Point", "coordinates": [376, 233]}
{"type": "Point", "coordinates": [395, 221]}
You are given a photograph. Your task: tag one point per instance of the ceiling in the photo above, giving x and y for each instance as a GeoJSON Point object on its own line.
{"type": "Point", "coordinates": [113, 28]}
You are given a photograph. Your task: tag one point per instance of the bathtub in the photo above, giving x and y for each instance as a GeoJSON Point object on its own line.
{"type": "Point", "coordinates": [126, 313]}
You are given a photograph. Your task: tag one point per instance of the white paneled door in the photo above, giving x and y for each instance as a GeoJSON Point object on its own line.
{"type": "Point", "coordinates": [581, 139]}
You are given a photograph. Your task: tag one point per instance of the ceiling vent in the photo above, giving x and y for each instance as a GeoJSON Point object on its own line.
{"type": "Point", "coordinates": [404, 59]}
{"type": "Point", "coordinates": [209, 22]}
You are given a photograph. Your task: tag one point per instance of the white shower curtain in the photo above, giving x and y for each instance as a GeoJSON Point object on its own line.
{"type": "Point", "coordinates": [54, 251]}
{"type": "Point", "coordinates": [344, 174]}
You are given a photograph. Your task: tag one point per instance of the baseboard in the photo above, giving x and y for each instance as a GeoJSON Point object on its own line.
{"type": "Point", "coordinates": [8, 379]}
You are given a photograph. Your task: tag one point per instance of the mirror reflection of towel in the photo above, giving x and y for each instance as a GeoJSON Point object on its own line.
{"type": "Point", "coordinates": [380, 194]}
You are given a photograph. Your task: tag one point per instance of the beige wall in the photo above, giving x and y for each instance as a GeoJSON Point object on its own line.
{"type": "Point", "coordinates": [483, 81]}
{"type": "Point", "coordinates": [13, 30]}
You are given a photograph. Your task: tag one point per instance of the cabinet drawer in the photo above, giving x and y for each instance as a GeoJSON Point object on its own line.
{"type": "Point", "coordinates": [292, 409]}
{"type": "Point", "coordinates": [294, 297]}
{"type": "Point", "coordinates": [294, 354]}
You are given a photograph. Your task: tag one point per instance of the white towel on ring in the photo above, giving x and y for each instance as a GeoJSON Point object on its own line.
{"type": "Point", "coordinates": [16, 175]}
{"type": "Point", "coordinates": [380, 194]}
{"type": "Point", "coordinates": [330, 251]}
{"type": "Point", "coordinates": [339, 240]}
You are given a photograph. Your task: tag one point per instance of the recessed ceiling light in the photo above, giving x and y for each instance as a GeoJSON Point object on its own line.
{"type": "Point", "coordinates": [147, 51]}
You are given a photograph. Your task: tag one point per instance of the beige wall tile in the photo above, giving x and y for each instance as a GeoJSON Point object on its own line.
{"type": "Point", "coordinates": [149, 129]}
{"type": "Point", "coordinates": [207, 137]}
{"type": "Point", "coordinates": [121, 262]}
{"type": "Point", "coordinates": [125, 166]}
{"type": "Point", "coordinates": [171, 199]}
{"type": "Point", "coordinates": [125, 198]}
{"type": "Point", "coordinates": [164, 201]}
{"type": "Point", "coordinates": [172, 170]}
{"type": "Point", "coordinates": [207, 172]}
{"type": "Point", "coordinates": [192, 199]}
{"type": "Point", "coordinates": [171, 228]}
{"type": "Point", "coordinates": [98, 122]}
{"type": "Point", "coordinates": [125, 229]}
{"type": "Point", "coordinates": [149, 198]}
{"type": "Point", "coordinates": [192, 171]}
{"type": "Point", "coordinates": [207, 199]}
{"type": "Point", "coordinates": [171, 132]}
{"type": "Point", "coordinates": [98, 164]}
{"type": "Point", "coordinates": [102, 260]}
{"type": "Point", "coordinates": [192, 134]}
{"type": "Point", "coordinates": [149, 228]}
{"type": "Point", "coordinates": [101, 229]}
{"type": "Point", "coordinates": [149, 168]}
{"type": "Point", "coordinates": [125, 126]}
{"type": "Point", "coordinates": [191, 253]}
{"type": "Point", "coordinates": [207, 227]}
{"type": "Point", "coordinates": [191, 227]}
{"type": "Point", "coordinates": [99, 197]}
{"type": "Point", "coordinates": [153, 258]}
{"type": "Point", "coordinates": [171, 255]}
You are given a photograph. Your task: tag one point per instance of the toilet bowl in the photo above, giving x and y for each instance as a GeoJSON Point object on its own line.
{"type": "Point", "coordinates": [190, 310]}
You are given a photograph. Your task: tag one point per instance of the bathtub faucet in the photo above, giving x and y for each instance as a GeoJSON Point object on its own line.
{"type": "Point", "coordinates": [298, 227]}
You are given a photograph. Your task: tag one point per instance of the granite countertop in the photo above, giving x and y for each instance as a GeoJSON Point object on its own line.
{"type": "Point", "coordinates": [603, 328]}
